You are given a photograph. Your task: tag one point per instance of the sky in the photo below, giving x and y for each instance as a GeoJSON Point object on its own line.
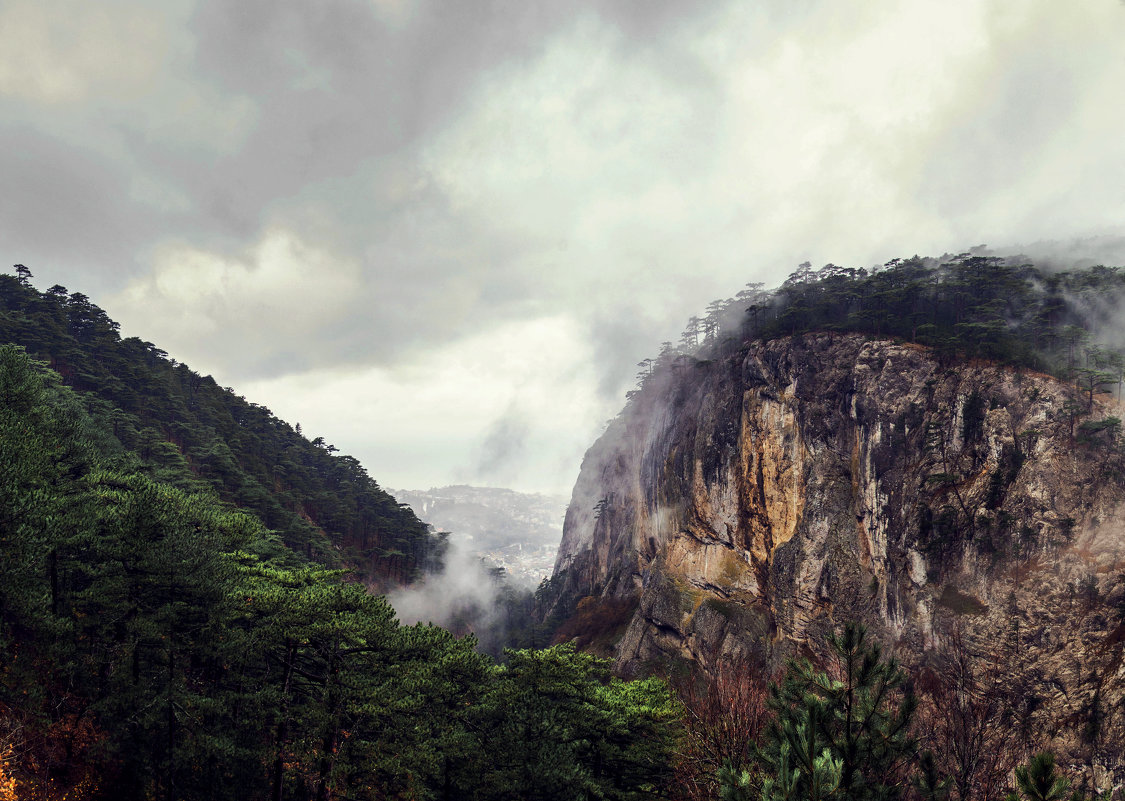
{"type": "Point", "coordinates": [442, 233]}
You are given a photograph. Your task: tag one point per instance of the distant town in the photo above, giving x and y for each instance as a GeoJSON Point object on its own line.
{"type": "Point", "coordinates": [517, 531]}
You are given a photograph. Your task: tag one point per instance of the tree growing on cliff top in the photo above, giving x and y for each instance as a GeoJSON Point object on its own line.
{"type": "Point", "coordinates": [964, 306]}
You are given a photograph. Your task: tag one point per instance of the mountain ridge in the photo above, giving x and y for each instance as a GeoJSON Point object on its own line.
{"type": "Point", "coordinates": [187, 431]}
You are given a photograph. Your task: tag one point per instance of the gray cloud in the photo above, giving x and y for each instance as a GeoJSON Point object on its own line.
{"type": "Point", "coordinates": [53, 209]}
{"type": "Point", "coordinates": [504, 445]}
{"type": "Point", "coordinates": [1070, 254]}
{"type": "Point", "coordinates": [273, 188]}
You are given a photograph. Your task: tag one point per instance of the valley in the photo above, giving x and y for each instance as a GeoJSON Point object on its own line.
{"type": "Point", "coordinates": [899, 486]}
{"type": "Point", "coordinates": [519, 532]}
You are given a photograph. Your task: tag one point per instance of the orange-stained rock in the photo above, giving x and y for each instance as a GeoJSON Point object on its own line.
{"type": "Point", "coordinates": [752, 503]}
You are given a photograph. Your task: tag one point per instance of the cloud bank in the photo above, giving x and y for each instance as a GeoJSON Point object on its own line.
{"type": "Point", "coordinates": [442, 234]}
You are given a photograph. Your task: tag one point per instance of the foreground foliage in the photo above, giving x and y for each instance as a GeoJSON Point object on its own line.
{"type": "Point", "coordinates": [156, 643]}
{"type": "Point", "coordinates": [850, 728]}
{"type": "Point", "coordinates": [840, 732]}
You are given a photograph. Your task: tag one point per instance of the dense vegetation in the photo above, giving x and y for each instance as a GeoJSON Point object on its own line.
{"type": "Point", "coordinates": [155, 415]}
{"type": "Point", "coordinates": [159, 644]}
{"type": "Point", "coordinates": [1067, 323]}
{"type": "Point", "coordinates": [156, 643]}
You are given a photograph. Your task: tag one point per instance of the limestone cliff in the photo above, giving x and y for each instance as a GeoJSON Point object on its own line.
{"type": "Point", "coordinates": [750, 503]}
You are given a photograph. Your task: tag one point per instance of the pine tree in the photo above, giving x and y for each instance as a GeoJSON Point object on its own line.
{"type": "Point", "coordinates": [931, 786]}
{"type": "Point", "coordinates": [804, 767]}
{"type": "Point", "coordinates": [857, 711]}
{"type": "Point", "coordinates": [1039, 781]}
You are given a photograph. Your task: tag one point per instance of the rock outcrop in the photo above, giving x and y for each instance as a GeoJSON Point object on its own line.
{"type": "Point", "coordinates": [751, 503]}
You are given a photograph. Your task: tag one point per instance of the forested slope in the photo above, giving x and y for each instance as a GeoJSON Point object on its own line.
{"type": "Point", "coordinates": [161, 644]}
{"type": "Point", "coordinates": [190, 433]}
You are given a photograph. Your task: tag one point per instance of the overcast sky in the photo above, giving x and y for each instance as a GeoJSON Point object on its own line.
{"type": "Point", "coordinates": [442, 234]}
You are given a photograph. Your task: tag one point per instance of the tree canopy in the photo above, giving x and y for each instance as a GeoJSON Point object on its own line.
{"type": "Point", "coordinates": [965, 306]}
{"type": "Point", "coordinates": [159, 643]}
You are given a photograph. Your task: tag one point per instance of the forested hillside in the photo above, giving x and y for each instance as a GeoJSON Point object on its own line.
{"type": "Point", "coordinates": [184, 430]}
{"type": "Point", "coordinates": [160, 644]}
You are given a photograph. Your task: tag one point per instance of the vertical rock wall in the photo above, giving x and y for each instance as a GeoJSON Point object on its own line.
{"type": "Point", "coordinates": [750, 504]}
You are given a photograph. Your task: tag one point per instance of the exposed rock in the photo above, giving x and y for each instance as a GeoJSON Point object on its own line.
{"type": "Point", "coordinates": [754, 502]}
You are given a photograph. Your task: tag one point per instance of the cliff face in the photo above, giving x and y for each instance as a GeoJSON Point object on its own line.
{"type": "Point", "coordinates": [752, 503]}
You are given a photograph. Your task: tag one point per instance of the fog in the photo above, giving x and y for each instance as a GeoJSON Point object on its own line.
{"type": "Point", "coordinates": [462, 592]}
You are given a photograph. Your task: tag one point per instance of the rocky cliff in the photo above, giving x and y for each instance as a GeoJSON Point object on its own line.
{"type": "Point", "coordinates": [745, 505]}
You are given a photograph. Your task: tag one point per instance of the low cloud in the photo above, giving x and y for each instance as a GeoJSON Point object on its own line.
{"type": "Point", "coordinates": [463, 592]}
